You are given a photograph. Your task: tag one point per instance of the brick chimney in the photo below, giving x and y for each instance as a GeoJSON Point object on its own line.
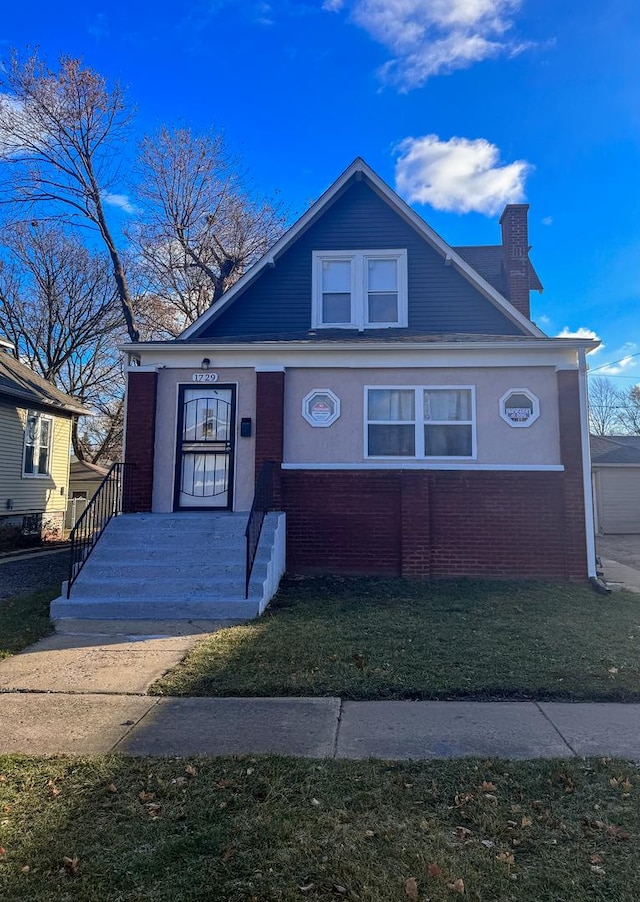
{"type": "Point", "coordinates": [515, 241]}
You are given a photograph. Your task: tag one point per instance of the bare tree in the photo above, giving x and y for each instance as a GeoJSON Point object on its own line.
{"type": "Point", "coordinates": [59, 307]}
{"type": "Point", "coordinates": [630, 411]}
{"type": "Point", "coordinates": [605, 403]}
{"type": "Point", "coordinates": [60, 137]}
{"type": "Point", "coordinates": [201, 226]}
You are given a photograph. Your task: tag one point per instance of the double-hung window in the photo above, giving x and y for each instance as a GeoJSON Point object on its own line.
{"type": "Point", "coordinates": [420, 422]}
{"type": "Point", "coordinates": [37, 444]}
{"type": "Point", "coordinates": [359, 289]}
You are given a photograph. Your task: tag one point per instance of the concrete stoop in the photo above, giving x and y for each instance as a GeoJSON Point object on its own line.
{"type": "Point", "coordinates": [187, 566]}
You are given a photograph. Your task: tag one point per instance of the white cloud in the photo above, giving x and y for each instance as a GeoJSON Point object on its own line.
{"type": "Point", "coordinates": [628, 360]}
{"type": "Point", "coordinates": [459, 175]}
{"type": "Point", "coordinates": [434, 37]}
{"type": "Point", "coordinates": [121, 201]}
{"type": "Point", "coordinates": [547, 220]}
{"type": "Point", "coordinates": [614, 369]}
{"type": "Point", "coordinates": [582, 332]}
{"type": "Point", "coordinates": [544, 320]}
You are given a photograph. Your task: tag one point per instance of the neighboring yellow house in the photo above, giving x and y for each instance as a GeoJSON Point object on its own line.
{"type": "Point", "coordinates": [35, 442]}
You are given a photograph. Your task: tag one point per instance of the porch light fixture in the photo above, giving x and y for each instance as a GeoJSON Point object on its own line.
{"type": "Point", "coordinates": [206, 363]}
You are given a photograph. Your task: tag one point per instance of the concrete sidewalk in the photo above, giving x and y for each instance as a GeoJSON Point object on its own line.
{"type": "Point", "coordinates": [95, 724]}
{"type": "Point", "coordinates": [83, 691]}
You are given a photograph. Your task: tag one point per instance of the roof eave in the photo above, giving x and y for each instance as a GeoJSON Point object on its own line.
{"type": "Point", "coordinates": [543, 343]}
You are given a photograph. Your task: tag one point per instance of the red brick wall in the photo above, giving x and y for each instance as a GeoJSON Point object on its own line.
{"type": "Point", "coordinates": [571, 456]}
{"type": "Point", "coordinates": [342, 522]}
{"type": "Point", "coordinates": [270, 423]}
{"type": "Point", "coordinates": [430, 523]}
{"type": "Point", "coordinates": [515, 240]}
{"type": "Point", "coordinates": [140, 429]}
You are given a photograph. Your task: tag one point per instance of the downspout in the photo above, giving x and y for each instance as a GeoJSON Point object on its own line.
{"type": "Point", "coordinates": [590, 529]}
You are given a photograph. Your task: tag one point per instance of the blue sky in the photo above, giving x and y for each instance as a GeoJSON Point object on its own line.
{"type": "Point", "coordinates": [463, 105]}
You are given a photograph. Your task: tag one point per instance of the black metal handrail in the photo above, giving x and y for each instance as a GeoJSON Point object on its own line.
{"type": "Point", "coordinates": [109, 500]}
{"type": "Point", "coordinates": [262, 504]}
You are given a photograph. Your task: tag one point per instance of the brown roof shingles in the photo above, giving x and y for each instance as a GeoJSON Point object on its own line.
{"type": "Point", "coordinates": [19, 382]}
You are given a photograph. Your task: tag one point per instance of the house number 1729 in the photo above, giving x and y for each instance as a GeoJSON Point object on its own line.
{"type": "Point", "coordinates": [204, 377]}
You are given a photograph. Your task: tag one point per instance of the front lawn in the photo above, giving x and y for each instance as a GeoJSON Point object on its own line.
{"type": "Point", "coordinates": [24, 619]}
{"type": "Point", "coordinates": [386, 639]}
{"type": "Point", "coordinates": [266, 829]}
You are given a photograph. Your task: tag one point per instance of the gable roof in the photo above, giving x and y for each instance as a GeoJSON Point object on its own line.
{"type": "Point", "coordinates": [615, 449]}
{"type": "Point", "coordinates": [488, 261]}
{"type": "Point", "coordinates": [18, 382]}
{"type": "Point", "coordinates": [83, 471]}
{"type": "Point", "coordinates": [359, 170]}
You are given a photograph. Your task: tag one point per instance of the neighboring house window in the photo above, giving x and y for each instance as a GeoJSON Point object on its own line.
{"type": "Point", "coordinates": [37, 444]}
{"type": "Point", "coordinates": [423, 422]}
{"type": "Point", "coordinates": [359, 289]}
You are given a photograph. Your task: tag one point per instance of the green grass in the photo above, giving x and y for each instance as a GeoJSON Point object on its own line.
{"type": "Point", "coordinates": [277, 829]}
{"type": "Point", "coordinates": [386, 639]}
{"type": "Point", "coordinates": [25, 619]}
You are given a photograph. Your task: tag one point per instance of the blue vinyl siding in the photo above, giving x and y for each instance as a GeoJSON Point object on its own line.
{"type": "Point", "coordinates": [279, 301]}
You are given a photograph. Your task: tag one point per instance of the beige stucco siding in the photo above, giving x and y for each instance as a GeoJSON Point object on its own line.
{"type": "Point", "coordinates": [32, 494]}
{"type": "Point", "coordinates": [169, 380]}
{"type": "Point", "coordinates": [497, 441]}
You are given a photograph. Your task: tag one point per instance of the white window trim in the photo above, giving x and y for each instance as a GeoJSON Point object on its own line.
{"type": "Point", "coordinates": [40, 417]}
{"type": "Point", "coordinates": [534, 401]}
{"type": "Point", "coordinates": [419, 424]}
{"type": "Point", "coordinates": [359, 294]}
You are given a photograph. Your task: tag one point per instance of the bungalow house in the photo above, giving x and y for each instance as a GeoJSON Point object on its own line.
{"type": "Point", "coordinates": [419, 422]}
{"type": "Point", "coordinates": [35, 442]}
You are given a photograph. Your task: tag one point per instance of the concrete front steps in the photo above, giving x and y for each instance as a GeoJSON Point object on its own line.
{"type": "Point", "coordinates": [186, 566]}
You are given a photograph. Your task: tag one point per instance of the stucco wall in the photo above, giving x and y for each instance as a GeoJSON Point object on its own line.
{"type": "Point", "coordinates": [497, 442]}
{"type": "Point", "coordinates": [166, 426]}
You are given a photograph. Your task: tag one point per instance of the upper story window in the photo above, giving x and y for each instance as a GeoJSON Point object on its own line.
{"type": "Point", "coordinates": [359, 289]}
{"type": "Point", "coordinates": [420, 422]}
{"type": "Point", "coordinates": [37, 444]}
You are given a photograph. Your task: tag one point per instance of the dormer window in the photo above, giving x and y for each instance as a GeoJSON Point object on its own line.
{"type": "Point", "coordinates": [359, 289]}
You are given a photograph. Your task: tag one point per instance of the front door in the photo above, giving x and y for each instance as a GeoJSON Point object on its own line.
{"type": "Point", "coordinates": [204, 461]}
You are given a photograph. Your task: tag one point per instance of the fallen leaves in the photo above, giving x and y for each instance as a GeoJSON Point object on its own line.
{"type": "Point", "coordinates": [71, 866]}
{"type": "Point", "coordinates": [433, 870]}
{"type": "Point", "coordinates": [457, 886]}
{"type": "Point", "coordinates": [411, 888]}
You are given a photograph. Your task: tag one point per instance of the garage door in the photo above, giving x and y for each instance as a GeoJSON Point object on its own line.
{"type": "Point", "coordinates": [618, 499]}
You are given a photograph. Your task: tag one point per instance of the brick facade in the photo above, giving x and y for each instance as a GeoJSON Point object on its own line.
{"type": "Point", "coordinates": [573, 485]}
{"type": "Point", "coordinates": [515, 241]}
{"type": "Point", "coordinates": [140, 429]}
{"type": "Point", "coordinates": [270, 424]}
{"type": "Point", "coordinates": [434, 524]}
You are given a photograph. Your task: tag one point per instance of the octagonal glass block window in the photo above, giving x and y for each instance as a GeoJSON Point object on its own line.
{"type": "Point", "coordinates": [519, 407]}
{"type": "Point", "coordinates": [321, 407]}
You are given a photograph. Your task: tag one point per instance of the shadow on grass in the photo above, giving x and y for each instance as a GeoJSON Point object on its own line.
{"type": "Point", "coordinates": [260, 829]}
{"type": "Point", "coordinates": [24, 619]}
{"type": "Point", "coordinates": [386, 639]}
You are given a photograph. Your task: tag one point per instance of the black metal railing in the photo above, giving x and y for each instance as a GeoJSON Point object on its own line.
{"type": "Point", "coordinates": [109, 500]}
{"type": "Point", "coordinates": [262, 504]}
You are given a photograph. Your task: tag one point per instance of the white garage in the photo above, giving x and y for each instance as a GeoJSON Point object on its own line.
{"type": "Point", "coordinates": [615, 462]}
